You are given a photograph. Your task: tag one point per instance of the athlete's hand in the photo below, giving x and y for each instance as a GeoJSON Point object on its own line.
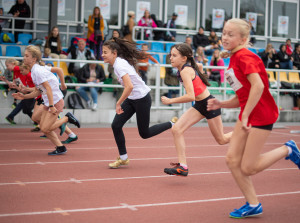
{"type": "Point", "coordinates": [63, 86]}
{"type": "Point", "coordinates": [119, 109]}
{"type": "Point", "coordinates": [245, 125]}
{"type": "Point", "coordinates": [53, 110]}
{"type": "Point", "coordinates": [165, 100]}
{"type": "Point", "coordinates": [213, 104]}
{"type": "Point", "coordinates": [18, 96]}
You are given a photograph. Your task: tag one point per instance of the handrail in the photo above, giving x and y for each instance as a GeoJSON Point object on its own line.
{"type": "Point", "coordinates": [158, 87]}
{"type": "Point", "coordinates": [34, 31]}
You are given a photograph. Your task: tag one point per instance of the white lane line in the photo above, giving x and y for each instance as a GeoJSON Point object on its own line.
{"type": "Point", "coordinates": [98, 161]}
{"type": "Point", "coordinates": [126, 178]}
{"type": "Point", "coordinates": [130, 207]}
{"type": "Point", "coordinates": [141, 205]}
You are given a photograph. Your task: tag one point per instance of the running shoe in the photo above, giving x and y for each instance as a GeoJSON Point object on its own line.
{"type": "Point", "coordinates": [118, 163]}
{"type": "Point", "coordinates": [11, 121]}
{"type": "Point", "coordinates": [14, 105]}
{"type": "Point", "coordinates": [295, 155]}
{"type": "Point", "coordinates": [246, 211]}
{"type": "Point", "coordinates": [43, 137]}
{"type": "Point", "coordinates": [69, 140]}
{"type": "Point", "coordinates": [4, 94]}
{"type": "Point", "coordinates": [59, 151]}
{"type": "Point", "coordinates": [62, 128]}
{"type": "Point", "coordinates": [176, 170]}
{"type": "Point", "coordinates": [72, 119]}
{"type": "Point", "coordinates": [36, 129]}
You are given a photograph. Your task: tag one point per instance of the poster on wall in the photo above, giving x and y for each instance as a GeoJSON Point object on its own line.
{"type": "Point", "coordinates": [61, 8]}
{"type": "Point", "coordinates": [7, 4]}
{"type": "Point", "coordinates": [283, 25]}
{"type": "Point", "coordinates": [182, 12]}
{"type": "Point", "coordinates": [104, 6]}
{"type": "Point", "coordinates": [252, 17]}
{"type": "Point", "coordinates": [218, 17]}
{"type": "Point", "coordinates": [141, 6]}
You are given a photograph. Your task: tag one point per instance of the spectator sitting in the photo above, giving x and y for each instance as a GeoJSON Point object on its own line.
{"type": "Point", "coordinates": [80, 53]}
{"type": "Point", "coordinates": [214, 42]}
{"type": "Point", "coordinates": [20, 9]}
{"type": "Point", "coordinates": [296, 57]}
{"type": "Point", "coordinates": [90, 73]}
{"type": "Point", "coordinates": [252, 33]}
{"type": "Point", "coordinates": [147, 21]}
{"type": "Point", "coordinates": [95, 32]}
{"type": "Point", "coordinates": [47, 53]}
{"type": "Point", "coordinates": [3, 21]}
{"type": "Point", "coordinates": [200, 39]}
{"type": "Point", "coordinates": [171, 35]}
{"type": "Point", "coordinates": [200, 56]}
{"type": "Point", "coordinates": [289, 48]}
{"type": "Point", "coordinates": [171, 79]}
{"type": "Point", "coordinates": [53, 43]}
{"type": "Point", "coordinates": [269, 57]}
{"type": "Point", "coordinates": [158, 34]}
{"type": "Point", "coordinates": [143, 69]}
{"type": "Point", "coordinates": [216, 74]}
{"type": "Point", "coordinates": [131, 24]}
{"type": "Point", "coordinates": [116, 33]}
{"type": "Point", "coordinates": [189, 41]}
{"type": "Point", "coordinates": [285, 61]}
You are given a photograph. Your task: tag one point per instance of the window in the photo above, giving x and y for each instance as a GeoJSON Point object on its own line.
{"type": "Point", "coordinates": [209, 5]}
{"type": "Point", "coordinates": [285, 18]}
{"type": "Point", "coordinates": [154, 8]}
{"type": "Point", "coordinates": [257, 8]}
{"type": "Point", "coordinates": [188, 11]}
{"type": "Point", "coordinates": [112, 16]}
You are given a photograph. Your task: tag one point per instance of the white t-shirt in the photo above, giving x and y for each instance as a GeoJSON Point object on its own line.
{"type": "Point", "coordinates": [140, 89]}
{"type": "Point", "coordinates": [41, 74]}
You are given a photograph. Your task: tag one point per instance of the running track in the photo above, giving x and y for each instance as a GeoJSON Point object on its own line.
{"type": "Point", "coordinates": [79, 186]}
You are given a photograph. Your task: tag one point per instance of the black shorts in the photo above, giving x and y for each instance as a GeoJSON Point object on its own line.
{"type": "Point", "coordinates": [201, 106]}
{"type": "Point", "coordinates": [265, 127]}
{"type": "Point", "coordinates": [39, 101]}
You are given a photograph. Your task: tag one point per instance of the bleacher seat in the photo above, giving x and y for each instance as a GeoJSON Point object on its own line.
{"type": "Point", "coordinates": [62, 65]}
{"type": "Point", "coordinates": [168, 47]}
{"type": "Point", "coordinates": [260, 50]}
{"type": "Point", "coordinates": [230, 91]}
{"type": "Point", "coordinates": [253, 50]}
{"type": "Point", "coordinates": [214, 84]}
{"type": "Point", "coordinates": [157, 47]}
{"type": "Point", "coordinates": [165, 58]}
{"type": "Point", "coordinates": [156, 56]}
{"type": "Point", "coordinates": [11, 36]}
{"type": "Point", "coordinates": [294, 77]}
{"type": "Point", "coordinates": [0, 50]}
{"type": "Point", "coordinates": [209, 59]}
{"type": "Point", "coordinates": [24, 38]}
{"type": "Point", "coordinates": [226, 61]}
{"type": "Point", "coordinates": [283, 76]}
{"type": "Point", "coordinates": [162, 72]}
{"type": "Point", "coordinates": [13, 51]}
{"type": "Point", "coordinates": [271, 76]}
{"type": "Point", "coordinates": [140, 42]}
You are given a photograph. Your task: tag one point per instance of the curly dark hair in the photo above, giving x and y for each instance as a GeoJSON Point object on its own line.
{"type": "Point", "coordinates": [126, 50]}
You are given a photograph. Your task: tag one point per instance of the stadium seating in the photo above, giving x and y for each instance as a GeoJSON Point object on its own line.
{"type": "Point", "coordinates": [0, 50]}
{"type": "Point", "coordinates": [271, 76]}
{"type": "Point", "coordinates": [62, 65]}
{"type": "Point", "coordinates": [214, 84]}
{"type": "Point", "coordinates": [253, 50]}
{"type": "Point", "coordinates": [294, 77]}
{"type": "Point", "coordinates": [156, 56]}
{"type": "Point", "coordinates": [24, 38]}
{"type": "Point", "coordinates": [283, 76]}
{"type": "Point", "coordinates": [226, 61]}
{"type": "Point", "coordinates": [13, 51]}
{"type": "Point", "coordinates": [157, 47]}
{"type": "Point", "coordinates": [230, 91]}
{"type": "Point", "coordinates": [168, 47]}
{"type": "Point", "coordinates": [11, 37]}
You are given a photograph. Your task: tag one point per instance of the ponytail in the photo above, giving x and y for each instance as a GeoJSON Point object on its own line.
{"type": "Point", "coordinates": [203, 76]}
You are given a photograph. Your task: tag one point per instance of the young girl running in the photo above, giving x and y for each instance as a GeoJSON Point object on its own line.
{"type": "Point", "coordinates": [247, 76]}
{"type": "Point", "coordinates": [47, 85]}
{"type": "Point", "coordinates": [123, 56]}
{"type": "Point", "coordinates": [195, 84]}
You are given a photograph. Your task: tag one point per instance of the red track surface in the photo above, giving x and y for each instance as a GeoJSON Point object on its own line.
{"type": "Point", "coordinates": [79, 186]}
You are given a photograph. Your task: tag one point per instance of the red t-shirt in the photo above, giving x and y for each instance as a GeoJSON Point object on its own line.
{"type": "Point", "coordinates": [245, 62]}
{"type": "Point", "coordinates": [18, 76]}
{"type": "Point", "coordinates": [29, 82]}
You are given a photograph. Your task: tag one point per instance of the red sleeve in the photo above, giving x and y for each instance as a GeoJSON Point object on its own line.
{"type": "Point", "coordinates": [248, 63]}
{"type": "Point", "coordinates": [29, 80]}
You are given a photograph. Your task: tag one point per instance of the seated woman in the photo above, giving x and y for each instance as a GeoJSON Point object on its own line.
{"type": "Point", "coordinates": [216, 74]}
{"type": "Point", "coordinates": [200, 56]}
{"type": "Point", "coordinates": [285, 61]}
{"type": "Point", "coordinates": [53, 43]}
{"type": "Point", "coordinates": [90, 73]}
{"type": "Point", "coordinates": [269, 57]}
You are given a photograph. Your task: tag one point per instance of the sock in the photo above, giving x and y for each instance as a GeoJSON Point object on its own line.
{"type": "Point", "coordinates": [253, 205]}
{"type": "Point", "coordinates": [124, 157]}
{"type": "Point", "coordinates": [72, 135]}
{"type": "Point", "coordinates": [172, 123]}
{"type": "Point", "coordinates": [290, 150]}
{"type": "Point", "coordinates": [184, 166]}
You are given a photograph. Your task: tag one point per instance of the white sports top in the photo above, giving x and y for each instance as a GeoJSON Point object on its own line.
{"type": "Point", "coordinates": [140, 89]}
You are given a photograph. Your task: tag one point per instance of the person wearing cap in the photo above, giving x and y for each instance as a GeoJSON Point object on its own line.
{"type": "Point", "coordinates": [130, 23]}
{"type": "Point", "coordinates": [171, 35]}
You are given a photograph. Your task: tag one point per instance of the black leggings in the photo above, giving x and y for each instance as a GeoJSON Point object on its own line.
{"type": "Point", "coordinates": [142, 109]}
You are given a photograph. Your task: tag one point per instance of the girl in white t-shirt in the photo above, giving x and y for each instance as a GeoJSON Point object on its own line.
{"type": "Point", "coordinates": [123, 56]}
{"type": "Point", "coordinates": [47, 85]}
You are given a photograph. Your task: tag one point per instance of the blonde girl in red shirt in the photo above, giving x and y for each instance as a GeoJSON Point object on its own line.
{"type": "Point", "coordinates": [247, 76]}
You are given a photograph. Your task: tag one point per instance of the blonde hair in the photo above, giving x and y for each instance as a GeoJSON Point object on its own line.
{"type": "Point", "coordinates": [12, 61]}
{"type": "Point", "coordinates": [35, 52]}
{"type": "Point", "coordinates": [25, 67]}
{"type": "Point", "coordinates": [244, 29]}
